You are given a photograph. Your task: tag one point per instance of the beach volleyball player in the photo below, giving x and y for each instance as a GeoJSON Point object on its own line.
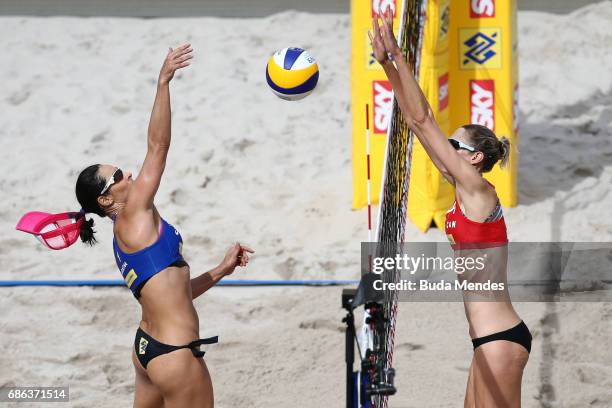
{"type": "Point", "coordinates": [501, 341]}
{"type": "Point", "coordinates": [170, 371]}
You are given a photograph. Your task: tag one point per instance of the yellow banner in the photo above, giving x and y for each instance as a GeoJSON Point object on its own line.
{"type": "Point", "coordinates": [469, 74]}
{"type": "Point", "coordinates": [483, 78]}
{"type": "Point", "coordinates": [369, 85]}
{"type": "Point", "coordinates": [430, 195]}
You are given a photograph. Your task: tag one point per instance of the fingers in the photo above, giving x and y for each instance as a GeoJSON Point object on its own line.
{"type": "Point", "coordinates": [238, 254]}
{"type": "Point", "coordinates": [182, 48]}
{"type": "Point", "coordinates": [242, 247]}
{"type": "Point", "coordinates": [376, 27]}
{"type": "Point", "coordinates": [179, 52]}
{"type": "Point", "coordinates": [179, 57]}
{"type": "Point", "coordinates": [388, 38]}
{"type": "Point", "coordinates": [242, 254]}
{"type": "Point", "coordinates": [244, 260]}
{"type": "Point", "coordinates": [183, 61]}
{"type": "Point", "coordinates": [183, 58]}
{"type": "Point", "coordinates": [387, 19]}
{"type": "Point", "coordinates": [383, 34]}
{"type": "Point", "coordinates": [389, 16]}
{"type": "Point", "coordinates": [247, 249]}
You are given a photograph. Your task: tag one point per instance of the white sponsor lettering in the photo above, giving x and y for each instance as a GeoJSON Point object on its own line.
{"type": "Point", "coordinates": [483, 7]}
{"type": "Point", "coordinates": [482, 106]}
{"type": "Point", "coordinates": [443, 91]}
{"type": "Point", "coordinates": [382, 5]}
{"type": "Point", "coordinates": [443, 94]}
{"type": "Point", "coordinates": [383, 107]}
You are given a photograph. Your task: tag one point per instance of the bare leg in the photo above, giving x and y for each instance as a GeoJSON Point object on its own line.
{"type": "Point", "coordinates": [147, 395]}
{"type": "Point", "coordinates": [183, 380]}
{"type": "Point", "coordinates": [498, 373]}
{"type": "Point", "coordinates": [468, 402]}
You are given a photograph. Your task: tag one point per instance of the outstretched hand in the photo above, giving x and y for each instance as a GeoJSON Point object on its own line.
{"type": "Point", "coordinates": [176, 59]}
{"type": "Point", "coordinates": [384, 43]}
{"type": "Point", "coordinates": [237, 255]}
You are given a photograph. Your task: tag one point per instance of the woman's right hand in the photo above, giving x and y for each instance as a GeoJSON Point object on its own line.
{"type": "Point", "coordinates": [176, 59]}
{"type": "Point", "coordinates": [236, 255]}
{"type": "Point", "coordinates": [378, 46]}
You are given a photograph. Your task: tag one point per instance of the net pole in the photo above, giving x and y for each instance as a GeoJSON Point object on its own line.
{"type": "Point", "coordinates": [369, 187]}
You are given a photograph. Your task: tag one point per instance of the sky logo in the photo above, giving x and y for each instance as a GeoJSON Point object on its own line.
{"type": "Point", "coordinates": [482, 102]}
{"type": "Point", "coordinates": [382, 95]}
{"type": "Point", "coordinates": [482, 8]}
{"type": "Point", "coordinates": [383, 5]}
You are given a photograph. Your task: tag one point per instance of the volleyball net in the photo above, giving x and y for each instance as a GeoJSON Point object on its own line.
{"type": "Point", "coordinates": [378, 339]}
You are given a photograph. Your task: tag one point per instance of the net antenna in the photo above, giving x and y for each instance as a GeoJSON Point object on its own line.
{"type": "Point", "coordinates": [378, 331]}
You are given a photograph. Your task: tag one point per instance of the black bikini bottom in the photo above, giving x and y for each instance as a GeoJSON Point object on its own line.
{"type": "Point", "coordinates": [147, 348]}
{"type": "Point", "coordinates": [518, 334]}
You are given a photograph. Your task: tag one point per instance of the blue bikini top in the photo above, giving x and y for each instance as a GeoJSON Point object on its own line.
{"type": "Point", "coordinates": [140, 266]}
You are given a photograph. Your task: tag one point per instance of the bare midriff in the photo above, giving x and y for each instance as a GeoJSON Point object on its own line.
{"type": "Point", "coordinates": [489, 312]}
{"type": "Point", "coordinates": [168, 314]}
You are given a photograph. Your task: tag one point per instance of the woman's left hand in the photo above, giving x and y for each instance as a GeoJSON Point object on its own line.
{"type": "Point", "coordinates": [176, 59]}
{"type": "Point", "coordinates": [237, 255]}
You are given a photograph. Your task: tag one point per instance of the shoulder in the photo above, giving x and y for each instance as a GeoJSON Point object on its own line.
{"type": "Point", "coordinates": [478, 188]}
{"type": "Point", "coordinates": [137, 230]}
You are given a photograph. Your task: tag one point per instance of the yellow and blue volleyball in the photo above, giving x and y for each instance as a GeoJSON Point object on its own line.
{"type": "Point", "coordinates": [292, 73]}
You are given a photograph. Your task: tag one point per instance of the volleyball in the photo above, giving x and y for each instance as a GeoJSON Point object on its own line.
{"type": "Point", "coordinates": [292, 73]}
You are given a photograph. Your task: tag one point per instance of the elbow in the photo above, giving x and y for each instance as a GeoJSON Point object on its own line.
{"type": "Point", "coordinates": [421, 118]}
{"type": "Point", "coordinates": [156, 146]}
{"type": "Point", "coordinates": [158, 136]}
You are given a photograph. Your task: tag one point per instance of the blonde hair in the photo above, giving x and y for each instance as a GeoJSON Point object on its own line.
{"type": "Point", "coordinates": [494, 149]}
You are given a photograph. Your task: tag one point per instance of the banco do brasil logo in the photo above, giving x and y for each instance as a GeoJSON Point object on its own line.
{"type": "Point", "coordinates": [480, 48]}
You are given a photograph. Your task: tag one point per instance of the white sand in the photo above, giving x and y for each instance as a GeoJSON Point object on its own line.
{"type": "Point", "coordinates": [246, 165]}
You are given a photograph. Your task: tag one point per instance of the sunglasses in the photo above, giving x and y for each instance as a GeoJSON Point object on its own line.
{"type": "Point", "coordinates": [115, 178]}
{"type": "Point", "coordinates": [457, 144]}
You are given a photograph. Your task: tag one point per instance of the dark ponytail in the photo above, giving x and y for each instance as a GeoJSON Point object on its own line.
{"type": "Point", "coordinates": [88, 187]}
{"type": "Point", "coordinates": [494, 149]}
{"type": "Point", "coordinates": [87, 232]}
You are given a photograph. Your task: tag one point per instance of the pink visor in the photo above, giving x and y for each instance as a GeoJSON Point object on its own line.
{"type": "Point", "coordinates": [56, 231]}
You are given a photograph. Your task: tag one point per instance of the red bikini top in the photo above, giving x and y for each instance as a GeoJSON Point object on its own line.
{"type": "Point", "coordinates": [465, 233]}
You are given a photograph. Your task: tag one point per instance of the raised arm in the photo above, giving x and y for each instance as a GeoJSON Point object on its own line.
{"type": "Point", "coordinates": [159, 132]}
{"type": "Point", "coordinates": [394, 78]}
{"type": "Point", "coordinates": [416, 110]}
